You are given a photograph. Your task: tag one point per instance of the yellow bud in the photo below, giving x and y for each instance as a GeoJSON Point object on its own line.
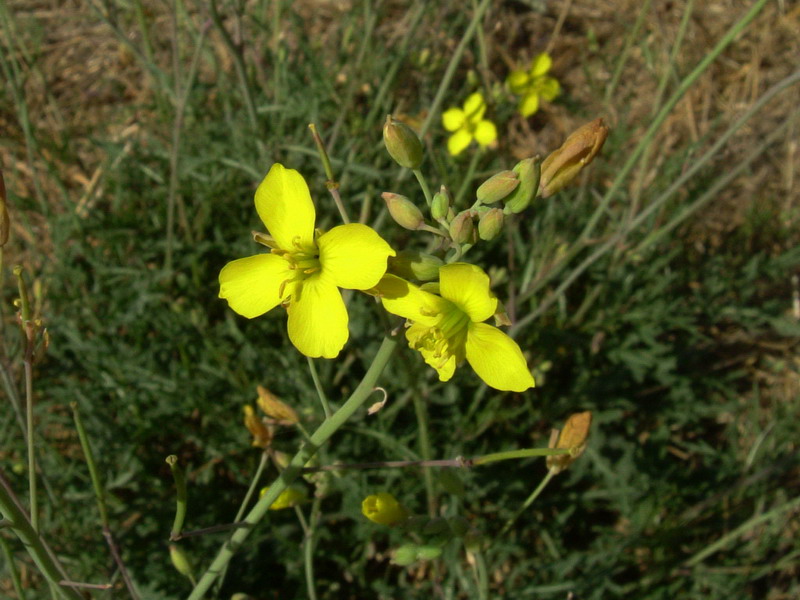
{"type": "Point", "coordinates": [490, 224]}
{"type": "Point", "coordinates": [262, 436]}
{"type": "Point", "coordinates": [573, 438]}
{"type": "Point", "coordinates": [462, 229]}
{"type": "Point", "coordinates": [497, 187]}
{"type": "Point", "coordinates": [579, 149]}
{"type": "Point", "coordinates": [402, 143]}
{"type": "Point", "coordinates": [291, 496]}
{"type": "Point", "coordinates": [274, 408]}
{"type": "Point", "coordinates": [403, 211]}
{"type": "Point", "coordinates": [409, 264]}
{"type": "Point", "coordinates": [383, 509]}
{"type": "Point", "coordinates": [527, 171]}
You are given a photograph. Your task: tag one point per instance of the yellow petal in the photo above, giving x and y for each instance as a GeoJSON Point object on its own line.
{"type": "Point", "coordinates": [317, 318]}
{"type": "Point", "coordinates": [284, 204]}
{"type": "Point", "coordinates": [458, 142]}
{"type": "Point", "coordinates": [251, 285]}
{"type": "Point", "coordinates": [497, 359]}
{"type": "Point", "coordinates": [518, 82]}
{"type": "Point", "coordinates": [467, 286]}
{"type": "Point", "coordinates": [541, 65]}
{"type": "Point", "coordinates": [548, 87]}
{"type": "Point", "coordinates": [453, 119]}
{"type": "Point", "coordinates": [406, 300]}
{"type": "Point", "coordinates": [353, 256]}
{"type": "Point", "coordinates": [485, 133]}
{"type": "Point", "coordinates": [474, 107]}
{"type": "Point", "coordinates": [529, 104]}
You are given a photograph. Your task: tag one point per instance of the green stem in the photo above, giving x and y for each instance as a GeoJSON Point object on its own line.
{"type": "Point", "coordinates": [425, 450]}
{"type": "Point", "coordinates": [514, 454]}
{"type": "Point", "coordinates": [41, 554]}
{"type": "Point", "coordinates": [12, 568]}
{"type": "Point", "coordinates": [323, 399]}
{"type": "Point", "coordinates": [423, 183]}
{"type": "Point", "coordinates": [87, 452]}
{"type": "Point", "coordinates": [292, 472]}
{"type": "Point", "coordinates": [528, 502]}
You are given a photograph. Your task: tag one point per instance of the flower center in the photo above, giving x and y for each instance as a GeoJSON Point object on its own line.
{"type": "Point", "coordinates": [303, 261]}
{"type": "Point", "coordinates": [445, 339]}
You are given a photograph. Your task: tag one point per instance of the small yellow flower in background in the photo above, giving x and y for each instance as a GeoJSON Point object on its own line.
{"type": "Point", "coordinates": [534, 84]}
{"type": "Point", "coordinates": [291, 496]}
{"type": "Point", "coordinates": [383, 509]}
{"type": "Point", "coordinates": [468, 124]}
{"type": "Point", "coordinates": [305, 267]}
{"type": "Point", "coordinates": [448, 327]}
{"type": "Point", "coordinates": [262, 436]}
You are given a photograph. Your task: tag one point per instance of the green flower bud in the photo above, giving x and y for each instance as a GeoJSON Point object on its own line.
{"type": "Point", "coordinates": [383, 509]}
{"type": "Point", "coordinates": [180, 561]}
{"type": "Point", "coordinates": [403, 211]}
{"type": "Point", "coordinates": [405, 555]}
{"type": "Point", "coordinates": [579, 149]}
{"type": "Point", "coordinates": [497, 187]}
{"type": "Point", "coordinates": [528, 173]}
{"type": "Point", "coordinates": [428, 552]}
{"type": "Point", "coordinates": [462, 229]}
{"type": "Point", "coordinates": [440, 204]}
{"type": "Point", "coordinates": [490, 224]}
{"type": "Point", "coordinates": [291, 496]}
{"type": "Point", "coordinates": [402, 143]}
{"type": "Point", "coordinates": [409, 264]}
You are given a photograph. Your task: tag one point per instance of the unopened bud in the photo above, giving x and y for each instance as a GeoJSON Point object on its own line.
{"type": "Point", "coordinates": [497, 187]}
{"type": "Point", "coordinates": [291, 496]}
{"type": "Point", "coordinates": [409, 264]}
{"type": "Point", "coordinates": [384, 509]}
{"type": "Point", "coordinates": [490, 224]}
{"type": "Point", "coordinates": [579, 149]}
{"type": "Point", "coordinates": [573, 438]}
{"type": "Point", "coordinates": [402, 143]}
{"type": "Point", "coordinates": [180, 561]}
{"type": "Point", "coordinates": [462, 230]}
{"type": "Point", "coordinates": [440, 204]}
{"type": "Point", "coordinates": [403, 211]}
{"type": "Point", "coordinates": [262, 436]}
{"type": "Point", "coordinates": [527, 171]}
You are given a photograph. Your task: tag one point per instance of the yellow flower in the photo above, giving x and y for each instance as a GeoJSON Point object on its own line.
{"type": "Point", "coordinates": [291, 496]}
{"type": "Point", "coordinates": [383, 509]}
{"type": "Point", "coordinates": [534, 84]}
{"type": "Point", "coordinates": [448, 327]}
{"type": "Point", "coordinates": [468, 124]}
{"type": "Point", "coordinates": [305, 267]}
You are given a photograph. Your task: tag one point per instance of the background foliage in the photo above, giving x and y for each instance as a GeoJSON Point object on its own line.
{"type": "Point", "coordinates": [133, 136]}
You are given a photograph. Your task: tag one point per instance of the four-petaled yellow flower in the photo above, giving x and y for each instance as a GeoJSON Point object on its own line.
{"type": "Point", "coordinates": [534, 84]}
{"type": "Point", "coordinates": [305, 267]}
{"type": "Point", "coordinates": [448, 327]}
{"type": "Point", "coordinates": [468, 124]}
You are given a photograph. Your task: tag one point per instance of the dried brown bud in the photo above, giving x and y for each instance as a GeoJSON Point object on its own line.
{"type": "Point", "coordinates": [579, 149]}
{"type": "Point", "coordinates": [275, 408]}
{"type": "Point", "coordinates": [573, 438]}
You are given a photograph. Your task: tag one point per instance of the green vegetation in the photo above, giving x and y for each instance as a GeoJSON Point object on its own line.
{"type": "Point", "coordinates": [655, 292]}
